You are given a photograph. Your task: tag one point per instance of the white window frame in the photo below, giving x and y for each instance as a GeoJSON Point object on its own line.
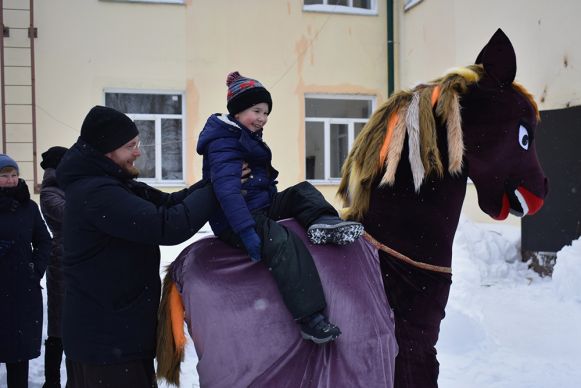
{"type": "Point", "coordinates": [327, 122]}
{"type": "Point", "coordinates": [409, 4]}
{"type": "Point", "coordinates": [158, 181]}
{"type": "Point", "coordinates": [148, 1]}
{"type": "Point", "coordinates": [349, 9]}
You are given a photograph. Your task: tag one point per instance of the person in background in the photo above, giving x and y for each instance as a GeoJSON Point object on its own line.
{"type": "Point", "coordinates": [24, 252]}
{"type": "Point", "coordinates": [52, 205]}
{"type": "Point", "coordinates": [112, 228]}
{"type": "Point", "coordinates": [249, 210]}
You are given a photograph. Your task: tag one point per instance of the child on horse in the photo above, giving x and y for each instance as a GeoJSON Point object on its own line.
{"type": "Point", "coordinates": [250, 209]}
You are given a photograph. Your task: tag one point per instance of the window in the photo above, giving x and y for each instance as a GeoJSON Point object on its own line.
{"type": "Point", "coordinates": [364, 7]}
{"type": "Point", "coordinates": [148, 1]}
{"type": "Point", "coordinates": [159, 118]}
{"type": "Point", "coordinates": [331, 125]}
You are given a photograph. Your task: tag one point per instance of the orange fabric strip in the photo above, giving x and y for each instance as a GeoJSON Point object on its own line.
{"type": "Point", "coordinates": [177, 314]}
{"type": "Point", "coordinates": [436, 94]}
{"type": "Point", "coordinates": [388, 134]}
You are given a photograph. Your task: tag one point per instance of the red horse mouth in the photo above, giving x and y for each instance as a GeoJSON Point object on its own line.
{"type": "Point", "coordinates": [520, 203]}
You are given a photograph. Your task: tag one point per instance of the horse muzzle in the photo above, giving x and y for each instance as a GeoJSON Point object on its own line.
{"type": "Point", "coordinates": [520, 202]}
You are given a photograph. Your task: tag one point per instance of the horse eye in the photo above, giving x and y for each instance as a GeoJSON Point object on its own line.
{"type": "Point", "coordinates": [523, 137]}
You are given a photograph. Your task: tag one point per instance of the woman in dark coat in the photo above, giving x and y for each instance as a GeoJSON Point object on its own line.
{"type": "Point", "coordinates": [52, 205]}
{"type": "Point", "coordinates": [24, 251]}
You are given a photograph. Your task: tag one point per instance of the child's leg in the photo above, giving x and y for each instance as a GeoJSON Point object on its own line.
{"type": "Point", "coordinates": [303, 202]}
{"type": "Point", "coordinates": [308, 206]}
{"type": "Point", "coordinates": [297, 279]}
{"type": "Point", "coordinates": [292, 267]}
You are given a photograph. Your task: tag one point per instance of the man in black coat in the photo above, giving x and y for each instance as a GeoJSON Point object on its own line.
{"type": "Point", "coordinates": [113, 227]}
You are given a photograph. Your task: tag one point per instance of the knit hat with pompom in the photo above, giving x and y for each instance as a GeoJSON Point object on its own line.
{"type": "Point", "coordinates": [245, 92]}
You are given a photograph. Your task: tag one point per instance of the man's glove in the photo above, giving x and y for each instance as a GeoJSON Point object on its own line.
{"type": "Point", "coordinates": [251, 242]}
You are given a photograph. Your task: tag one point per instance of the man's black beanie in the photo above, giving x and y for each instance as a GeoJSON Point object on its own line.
{"type": "Point", "coordinates": [107, 129]}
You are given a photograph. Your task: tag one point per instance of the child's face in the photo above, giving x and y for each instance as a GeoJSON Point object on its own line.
{"type": "Point", "coordinates": [255, 117]}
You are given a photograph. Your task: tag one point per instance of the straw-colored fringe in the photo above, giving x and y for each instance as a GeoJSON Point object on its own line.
{"type": "Point", "coordinates": [413, 129]}
{"type": "Point", "coordinates": [428, 136]}
{"type": "Point", "coordinates": [361, 166]}
{"type": "Point", "coordinates": [455, 137]}
{"type": "Point", "coordinates": [395, 148]}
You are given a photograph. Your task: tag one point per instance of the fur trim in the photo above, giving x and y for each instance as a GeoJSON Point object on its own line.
{"type": "Point", "coordinates": [395, 148]}
{"type": "Point", "coordinates": [413, 128]}
{"type": "Point", "coordinates": [455, 136]}
{"type": "Point", "coordinates": [428, 136]}
{"type": "Point", "coordinates": [170, 333]}
{"type": "Point", "coordinates": [367, 159]}
{"type": "Point", "coordinates": [521, 89]}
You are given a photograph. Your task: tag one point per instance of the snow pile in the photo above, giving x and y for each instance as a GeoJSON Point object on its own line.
{"type": "Point", "coordinates": [567, 272]}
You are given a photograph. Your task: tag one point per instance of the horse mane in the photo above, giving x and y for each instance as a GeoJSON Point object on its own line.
{"type": "Point", "coordinates": [412, 112]}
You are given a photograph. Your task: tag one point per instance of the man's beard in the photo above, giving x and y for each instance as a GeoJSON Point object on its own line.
{"type": "Point", "coordinates": [132, 171]}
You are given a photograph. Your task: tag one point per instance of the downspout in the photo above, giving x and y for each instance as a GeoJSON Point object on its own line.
{"type": "Point", "coordinates": [2, 92]}
{"type": "Point", "coordinates": [390, 43]}
{"type": "Point", "coordinates": [32, 36]}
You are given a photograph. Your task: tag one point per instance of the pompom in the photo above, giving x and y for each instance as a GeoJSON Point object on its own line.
{"type": "Point", "coordinates": [232, 77]}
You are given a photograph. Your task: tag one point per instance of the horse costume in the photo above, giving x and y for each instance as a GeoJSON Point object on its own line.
{"type": "Point", "coordinates": [474, 122]}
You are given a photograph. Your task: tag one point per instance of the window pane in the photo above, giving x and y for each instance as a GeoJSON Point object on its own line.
{"type": "Point", "coordinates": [145, 103]}
{"type": "Point", "coordinates": [337, 108]}
{"type": "Point", "coordinates": [171, 149]}
{"type": "Point", "coordinates": [338, 2]}
{"type": "Point", "coordinates": [362, 4]}
{"type": "Point", "coordinates": [339, 148]}
{"type": "Point", "coordinates": [358, 127]}
{"type": "Point", "coordinates": [311, 2]}
{"type": "Point", "coordinates": [315, 150]}
{"type": "Point", "coordinates": [146, 162]}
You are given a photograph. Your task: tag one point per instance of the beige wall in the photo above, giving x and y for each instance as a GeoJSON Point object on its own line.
{"type": "Point", "coordinates": [437, 35]}
{"type": "Point", "coordinates": [87, 46]}
{"type": "Point", "coordinates": [292, 53]}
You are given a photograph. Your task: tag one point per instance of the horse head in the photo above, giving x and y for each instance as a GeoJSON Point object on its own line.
{"type": "Point", "coordinates": [499, 119]}
{"type": "Point", "coordinates": [474, 120]}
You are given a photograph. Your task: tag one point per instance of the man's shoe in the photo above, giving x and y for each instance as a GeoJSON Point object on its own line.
{"type": "Point", "coordinates": [318, 329]}
{"type": "Point", "coordinates": [334, 230]}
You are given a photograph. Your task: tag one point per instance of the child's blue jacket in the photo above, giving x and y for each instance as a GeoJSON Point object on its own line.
{"type": "Point", "coordinates": [225, 145]}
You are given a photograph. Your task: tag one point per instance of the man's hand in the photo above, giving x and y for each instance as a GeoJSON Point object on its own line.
{"type": "Point", "coordinates": [245, 172]}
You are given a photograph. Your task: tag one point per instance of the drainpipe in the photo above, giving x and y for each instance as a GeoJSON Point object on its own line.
{"type": "Point", "coordinates": [2, 91]}
{"type": "Point", "coordinates": [390, 56]}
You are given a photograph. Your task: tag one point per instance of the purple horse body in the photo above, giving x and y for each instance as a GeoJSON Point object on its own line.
{"type": "Point", "coordinates": [245, 337]}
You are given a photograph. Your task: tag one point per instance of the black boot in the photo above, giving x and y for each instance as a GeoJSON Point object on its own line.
{"type": "Point", "coordinates": [53, 354]}
{"type": "Point", "coordinates": [317, 328]}
{"type": "Point", "coordinates": [330, 229]}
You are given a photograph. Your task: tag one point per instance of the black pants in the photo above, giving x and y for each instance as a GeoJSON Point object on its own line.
{"type": "Point", "coordinates": [134, 374]}
{"type": "Point", "coordinates": [418, 298]}
{"type": "Point", "coordinates": [17, 374]}
{"type": "Point", "coordinates": [284, 253]}
{"type": "Point", "coordinates": [53, 354]}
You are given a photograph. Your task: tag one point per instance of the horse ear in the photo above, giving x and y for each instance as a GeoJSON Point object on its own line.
{"type": "Point", "coordinates": [499, 59]}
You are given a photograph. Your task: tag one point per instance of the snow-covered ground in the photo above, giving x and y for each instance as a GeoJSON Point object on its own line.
{"type": "Point", "coordinates": [505, 326]}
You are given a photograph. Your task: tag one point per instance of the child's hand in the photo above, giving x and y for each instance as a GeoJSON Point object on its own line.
{"type": "Point", "coordinates": [251, 242]}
